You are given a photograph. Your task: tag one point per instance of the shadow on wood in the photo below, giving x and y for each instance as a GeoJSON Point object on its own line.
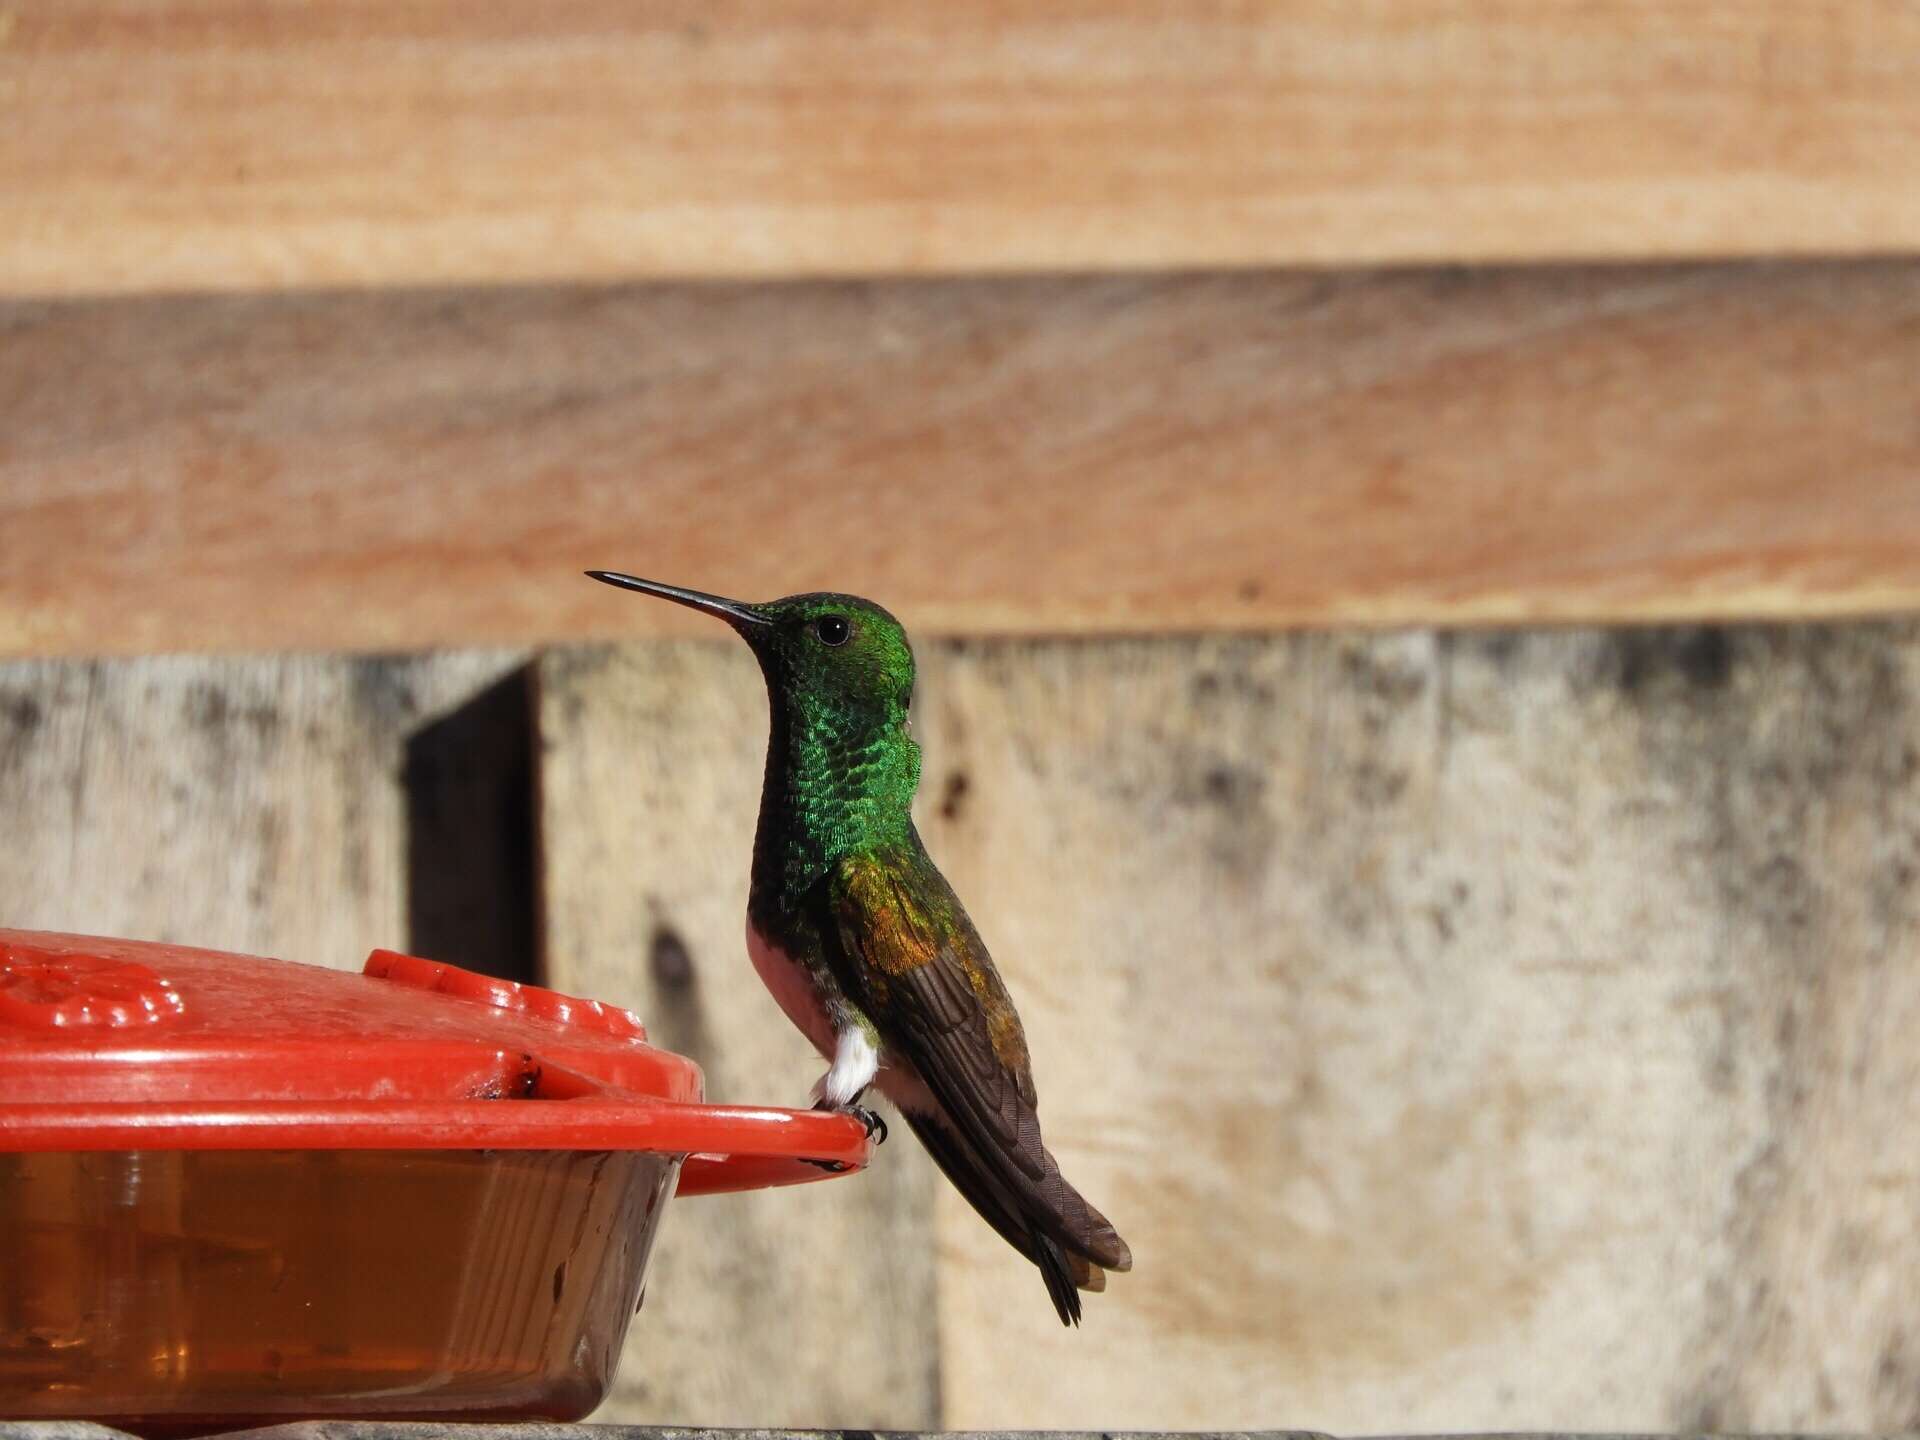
{"type": "Point", "coordinates": [471, 885]}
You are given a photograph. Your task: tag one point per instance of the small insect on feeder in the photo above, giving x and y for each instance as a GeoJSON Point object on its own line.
{"type": "Point", "coordinates": [235, 1190]}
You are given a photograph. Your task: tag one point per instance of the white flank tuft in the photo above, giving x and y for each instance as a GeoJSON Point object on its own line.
{"type": "Point", "coordinates": [855, 1063]}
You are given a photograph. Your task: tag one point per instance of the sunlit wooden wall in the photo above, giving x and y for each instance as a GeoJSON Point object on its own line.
{"type": "Point", "coordinates": [1407, 510]}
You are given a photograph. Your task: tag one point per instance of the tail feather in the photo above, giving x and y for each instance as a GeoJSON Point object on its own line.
{"type": "Point", "coordinates": [1072, 1243]}
{"type": "Point", "coordinates": [1086, 1232]}
{"type": "Point", "coordinates": [1056, 1270]}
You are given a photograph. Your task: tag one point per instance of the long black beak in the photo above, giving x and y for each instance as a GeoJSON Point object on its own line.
{"type": "Point", "coordinates": [732, 611]}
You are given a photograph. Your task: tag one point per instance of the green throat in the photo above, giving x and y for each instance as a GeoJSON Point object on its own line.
{"type": "Point", "coordinates": [840, 781]}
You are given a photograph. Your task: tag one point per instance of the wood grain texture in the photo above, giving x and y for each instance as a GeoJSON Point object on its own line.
{"type": "Point", "coordinates": [1113, 455]}
{"type": "Point", "coordinates": [1467, 1032]}
{"type": "Point", "coordinates": [253, 806]}
{"type": "Point", "coordinates": [158, 144]}
{"type": "Point", "coordinates": [808, 1306]}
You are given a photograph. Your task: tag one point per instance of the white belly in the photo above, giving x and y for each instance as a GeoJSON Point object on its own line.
{"type": "Point", "coordinates": [792, 989]}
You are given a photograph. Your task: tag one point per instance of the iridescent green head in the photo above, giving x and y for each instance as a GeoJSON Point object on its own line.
{"type": "Point", "coordinates": [836, 650]}
{"type": "Point", "coordinates": [841, 766]}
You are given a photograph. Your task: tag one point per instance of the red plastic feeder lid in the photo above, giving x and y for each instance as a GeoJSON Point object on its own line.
{"type": "Point", "coordinates": [125, 1045]}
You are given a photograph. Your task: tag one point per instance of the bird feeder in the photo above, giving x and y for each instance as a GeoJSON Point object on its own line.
{"type": "Point", "coordinates": [237, 1190]}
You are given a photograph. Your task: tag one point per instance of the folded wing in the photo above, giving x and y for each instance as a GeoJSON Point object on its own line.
{"type": "Point", "coordinates": [910, 958]}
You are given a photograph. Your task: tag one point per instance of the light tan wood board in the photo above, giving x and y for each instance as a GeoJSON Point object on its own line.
{"type": "Point", "coordinates": [253, 806]}
{"type": "Point", "coordinates": [1479, 1032]}
{"type": "Point", "coordinates": [1488, 1031]}
{"type": "Point", "coordinates": [811, 1306]}
{"type": "Point", "coordinates": [1105, 455]}
{"type": "Point", "coordinates": [169, 146]}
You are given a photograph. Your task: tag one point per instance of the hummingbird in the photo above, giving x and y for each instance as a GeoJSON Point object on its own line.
{"type": "Point", "coordinates": [863, 943]}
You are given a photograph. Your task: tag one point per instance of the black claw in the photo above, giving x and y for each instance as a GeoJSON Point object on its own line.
{"type": "Point", "coordinates": [875, 1125]}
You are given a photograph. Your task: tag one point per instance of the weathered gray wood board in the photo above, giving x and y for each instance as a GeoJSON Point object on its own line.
{"type": "Point", "coordinates": [252, 805]}
{"type": "Point", "coordinates": [806, 1306]}
{"type": "Point", "coordinates": [1468, 1032]}
{"type": "Point", "coordinates": [1482, 1031]}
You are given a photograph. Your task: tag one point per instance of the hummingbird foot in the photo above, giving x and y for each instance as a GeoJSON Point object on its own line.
{"type": "Point", "coordinates": [872, 1120]}
{"type": "Point", "coordinates": [876, 1124]}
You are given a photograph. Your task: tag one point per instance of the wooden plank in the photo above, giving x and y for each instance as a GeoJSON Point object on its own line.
{"type": "Point", "coordinates": [810, 1306]}
{"type": "Point", "coordinates": [254, 806]}
{"type": "Point", "coordinates": [270, 805]}
{"type": "Point", "coordinates": [157, 144]}
{"type": "Point", "coordinates": [1120, 455]}
{"type": "Point", "coordinates": [1467, 1032]}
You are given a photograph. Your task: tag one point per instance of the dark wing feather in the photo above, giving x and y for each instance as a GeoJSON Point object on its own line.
{"type": "Point", "coordinates": [911, 959]}
{"type": "Point", "coordinates": [924, 973]}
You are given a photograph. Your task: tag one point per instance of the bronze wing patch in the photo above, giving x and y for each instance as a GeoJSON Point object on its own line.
{"type": "Point", "coordinates": [918, 967]}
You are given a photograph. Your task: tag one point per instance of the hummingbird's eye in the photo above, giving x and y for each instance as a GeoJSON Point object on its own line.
{"type": "Point", "coordinates": [832, 629]}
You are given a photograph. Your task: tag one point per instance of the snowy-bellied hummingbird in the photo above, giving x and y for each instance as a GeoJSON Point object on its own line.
{"type": "Point", "coordinates": [864, 944]}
